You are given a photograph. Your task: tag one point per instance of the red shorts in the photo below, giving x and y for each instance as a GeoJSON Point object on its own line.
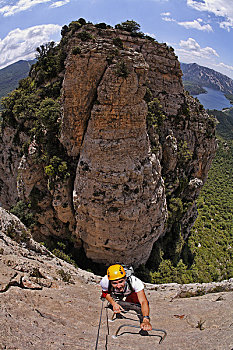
{"type": "Point", "coordinates": [131, 298]}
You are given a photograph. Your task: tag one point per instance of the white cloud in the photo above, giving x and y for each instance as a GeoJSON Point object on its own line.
{"type": "Point", "coordinates": [16, 6]}
{"type": "Point", "coordinates": [191, 51]}
{"type": "Point", "coordinates": [220, 8]}
{"type": "Point", "coordinates": [189, 44]}
{"type": "Point", "coordinates": [226, 25]}
{"type": "Point", "coordinates": [166, 14]}
{"type": "Point", "coordinates": [223, 68]}
{"type": "Point", "coordinates": [196, 25]}
{"type": "Point", "coordinates": [223, 65]}
{"type": "Point", "coordinates": [59, 3]}
{"type": "Point", "coordinates": [21, 44]}
{"type": "Point", "coordinates": [166, 17]}
{"type": "Point", "coordinates": [19, 6]}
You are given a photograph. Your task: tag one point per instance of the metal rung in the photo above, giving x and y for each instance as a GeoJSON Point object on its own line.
{"type": "Point", "coordinates": [141, 332]}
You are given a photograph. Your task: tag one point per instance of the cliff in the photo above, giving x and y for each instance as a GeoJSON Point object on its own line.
{"type": "Point", "coordinates": [104, 147]}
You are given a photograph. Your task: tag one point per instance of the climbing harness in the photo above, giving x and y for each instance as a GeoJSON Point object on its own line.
{"type": "Point", "coordinates": [127, 307]}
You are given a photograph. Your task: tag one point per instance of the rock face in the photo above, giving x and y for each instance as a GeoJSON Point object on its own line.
{"type": "Point", "coordinates": [119, 195]}
{"type": "Point", "coordinates": [53, 294]}
{"type": "Point", "coordinates": [130, 131]}
{"type": "Point", "coordinates": [10, 160]}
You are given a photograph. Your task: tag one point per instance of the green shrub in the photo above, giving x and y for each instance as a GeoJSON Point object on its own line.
{"type": "Point", "coordinates": [74, 26]}
{"type": "Point", "coordinates": [121, 69]}
{"type": "Point", "coordinates": [16, 233]}
{"type": "Point", "coordinates": [155, 115]}
{"type": "Point", "coordinates": [84, 36]}
{"type": "Point", "coordinates": [57, 169]}
{"type": "Point", "coordinates": [118, 42]}
{"type": "Point", "coordinates": [65, 29]}
{"type": "Point", "coordinates": [184, 154]}
{"type": "Point", "coordinates": [23, 211]}
{"type": "Point", "coordinates": [101, 25]}
{"type": "Point", "coordinates": [76, 51]}
{"type": "Point", "coordinates": [129, 26]}
{"type": "Point", "coordinates": [82, 21]}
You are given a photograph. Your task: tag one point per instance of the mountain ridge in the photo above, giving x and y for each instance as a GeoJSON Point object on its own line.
{"type": "Point", "coordinates": [206, 77]}
{"type": "Point", "coordinates": [12, 74]}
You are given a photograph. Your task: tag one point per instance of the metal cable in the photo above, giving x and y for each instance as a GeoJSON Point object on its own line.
{"type": "Point", "coordinates": [98, 332]}
{"type": "Point", "coordinates": [106, 341]}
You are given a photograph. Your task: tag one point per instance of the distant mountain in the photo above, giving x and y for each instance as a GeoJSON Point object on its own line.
{"type": "Point", "coordinates": [10, 75]}
{"type": "Point", "coordinates": [200, 76]}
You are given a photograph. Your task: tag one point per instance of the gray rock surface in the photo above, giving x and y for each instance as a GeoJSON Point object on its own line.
{"type": "Point", "coordinates": [119, 196]}
{"type": "Point", "coordinates": [46, 303]}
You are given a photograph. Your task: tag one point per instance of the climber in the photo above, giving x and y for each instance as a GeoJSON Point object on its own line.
{"type": "Point", "coordinates": [116, 287]}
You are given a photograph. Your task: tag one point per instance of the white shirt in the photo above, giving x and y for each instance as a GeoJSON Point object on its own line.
{"type": "Point", "coordinates": [136, 284]}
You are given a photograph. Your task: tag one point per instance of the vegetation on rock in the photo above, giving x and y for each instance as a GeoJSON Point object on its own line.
{"type": "Point", "coordinates": [207, 255]}
{"type": "Point", "coordinates": [35, 108]}
{"type": "Point", "coordinates": [129, 26]}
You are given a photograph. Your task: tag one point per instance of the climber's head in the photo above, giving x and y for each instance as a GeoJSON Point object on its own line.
{"type": "Point", "coordinates": [117, 277]}
{"type": "Point", "coordinates": [115, 272]}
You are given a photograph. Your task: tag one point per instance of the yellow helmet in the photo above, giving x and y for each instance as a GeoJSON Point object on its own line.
{"type": "Point", "coordinates": [115, 272]}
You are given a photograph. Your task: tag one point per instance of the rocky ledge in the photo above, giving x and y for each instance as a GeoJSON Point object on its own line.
{"type": "Point", "coordinates": [47, 303]}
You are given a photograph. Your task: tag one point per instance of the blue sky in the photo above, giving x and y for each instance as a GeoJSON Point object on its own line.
{"type": "Point", "coordinates": [199, 30]}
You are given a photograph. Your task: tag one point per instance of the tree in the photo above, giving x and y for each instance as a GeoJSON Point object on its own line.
{"type": "Point", "coordinates": [44, 49]}
{"type": "Point", "coordinates": [129, 26]}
